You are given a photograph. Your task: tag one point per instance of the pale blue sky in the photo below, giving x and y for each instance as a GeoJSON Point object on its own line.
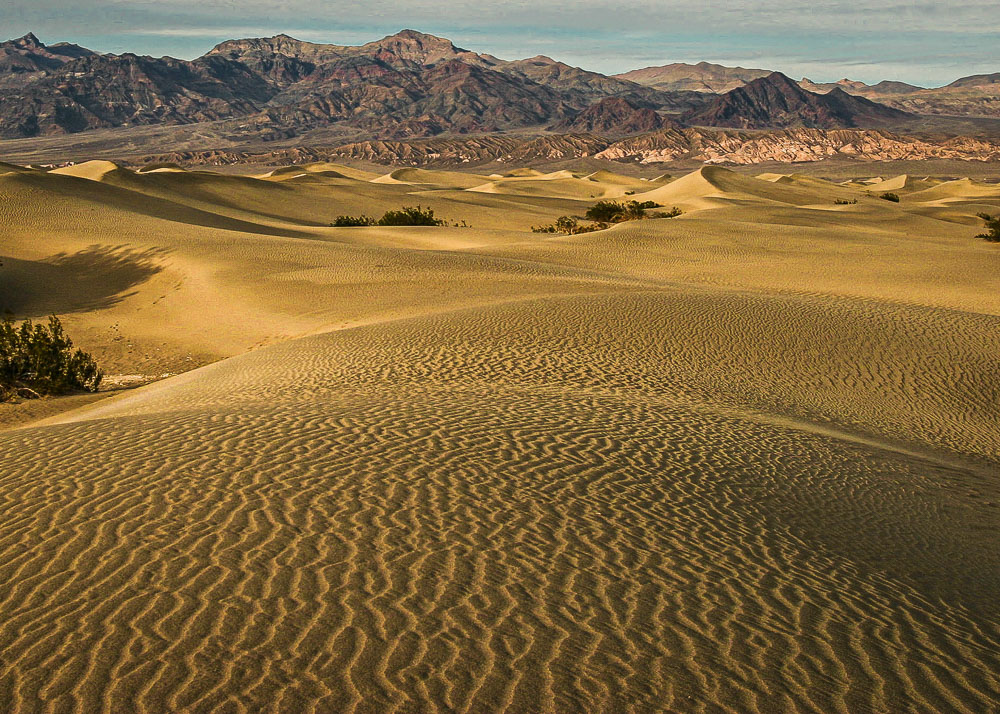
{"type": "Point", "coordinates": [922, 42]}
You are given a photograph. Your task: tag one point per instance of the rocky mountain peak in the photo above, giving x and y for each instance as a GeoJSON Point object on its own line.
{"type": "Point", "coordinates": [775, 101]}
{"type": "Point", "coordinates": [422, 49]}
{"type": "Point", "coordinates": [615, 116]}
{"type": "Point", "coordinates": [29, 41]}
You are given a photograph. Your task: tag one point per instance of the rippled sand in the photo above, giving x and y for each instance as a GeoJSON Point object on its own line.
{"type": "Point", "coordinates": [741, 460]}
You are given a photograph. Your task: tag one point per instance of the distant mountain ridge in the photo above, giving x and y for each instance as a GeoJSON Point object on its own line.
{"type": "Point", "coordinates": [701, 77]}
{"type": "Point", "coordinates": [408, 84]}
{"type": "Point", "coordinates": [775, 101]}
{"type": "Point", "coordinates": [27, 56]}
{"type": "Point", "coordinates": [615, 116]}
{"type": "Point", "coordinates": [412, 85]}
{"type": "Point", "coordinates": [714, 146]}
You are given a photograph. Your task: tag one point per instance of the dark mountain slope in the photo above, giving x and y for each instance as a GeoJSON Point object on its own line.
{"type": "Point", "coordinates": [776, 101]}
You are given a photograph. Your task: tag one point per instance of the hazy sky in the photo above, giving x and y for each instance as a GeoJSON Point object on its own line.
{"type": "Point", "coordinates": [927, 42]}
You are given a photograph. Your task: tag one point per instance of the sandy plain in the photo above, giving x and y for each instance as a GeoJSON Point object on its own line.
{"type": "Point", "coordinates": [742, 460]}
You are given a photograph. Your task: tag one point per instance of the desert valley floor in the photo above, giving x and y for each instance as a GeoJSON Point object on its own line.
{"type": "Point", "coordinates": [741, 460]}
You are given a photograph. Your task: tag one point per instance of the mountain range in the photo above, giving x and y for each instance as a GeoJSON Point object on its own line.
{"type": "Point", "coordinates": [413, 85]}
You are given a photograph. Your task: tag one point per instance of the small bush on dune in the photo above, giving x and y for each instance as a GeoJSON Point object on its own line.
{"type": "Point", "coordinates": [604, 214]}
{"type": "Point", "coordinates": [39, 360]}
{"type": "Point", "coordinates": [615, 212]}
{"type": "Point", "coordinates": [407, 216]}
{"type": "Point", "coordinates": [604, 211]}
{"type": "Point", "coordinates": [353, 221]}
{"type": "Point", "coordinates": [887, 196]}
{"type": "Point", "coordinates": [564, 224]}
{"type": "Point", "coordinates": [410, 216]}
{"type": "Point", "coordinates": [672, 213]}
{"type": "Point", "coordinates": [993, 228]}
{"type": "Point", "coordinates": [612, 211]}
{"type": "Point", "coordinates": [591, 228]}
{"type": "Point", "coordinates": [568, 225]}
{"type": "Point", "coordinates": [844, 202]}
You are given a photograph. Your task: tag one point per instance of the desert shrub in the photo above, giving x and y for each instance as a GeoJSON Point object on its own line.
{"type": "Point", "coordinates": [607, 211]}
{"type": "Point", "coordinates": [410, 216]}
{"type": "Point", "coordinates": [993, 228]}
{"type": "Point", "coordinates": [590, 229]}
{"type": "Point", "coordinates": [615, 212]}
{"type": "Point", "coordinates": [888, 196]}
{"type": "Point", "coordinates": [604, 214]}
{"type": "Point", "coordinates": [568, 225]}
{"type": "Point", "coordinates": [563, 224]}
{"type": "Point", "coordinates": [40, 359]}
{"type": "Point", "coordinates": [672, 213]}
{"type": "Point", "coordinates": [844, 202]}
{"type": "Point", "coordinates": [407, 216]}
{"type": "Point", "coordinates": [352, 221]}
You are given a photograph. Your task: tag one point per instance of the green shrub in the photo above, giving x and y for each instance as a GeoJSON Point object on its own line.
{"type": "Point", "coordinates": [590, 229]}
{"type": "Point", "coordinates": [993, 228]}
{"type": "Point", "coordinates": [41, 359]}
{"type": "Point", "coordinates": [615, 212]}
{"type": "Point", "coordinates": [604, 214]}
{"type": "Point", "coordinates": [568, 225]}
{"type": "Point", "coordinates": [563, 224]}
{"type": "Point", "coordinates": [352, 221]}
{"type": "Point", "coordinates": [410, 216]}
{"type": "Point", "coordinates": [845, 202]}
{"type": "Point", "coordinates": [887, 196]}
{"type": "Point", "coordinates": [607, 211]}
{"type": "Point", "coordinates": [407, 216]}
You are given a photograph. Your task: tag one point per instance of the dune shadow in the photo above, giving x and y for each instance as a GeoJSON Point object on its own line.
{"type": "Point", "coordinates": [135, 201]}
{"type": "Point", "coordinates": [91, 279]}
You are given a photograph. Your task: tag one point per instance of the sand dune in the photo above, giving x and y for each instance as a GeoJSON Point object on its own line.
{"type": "Point", "coordinates": [561, 184]}
{"type": "Point", "coordinates": [958, 190]}
{"type": "Point", "coordinates": [803, 181]}
{"type": "Point", "coordinates": [774, 177]}
{"type": "Point", "coordinates": [437, 179]}
{"type": "Point", "coordinates": [322, 167]}
{"type": "Point", "coordinates": [904, 184]}
{"type": "Point", "coordinates": [160, 168]}
{"type": "Point", "coordinates": [295, 172]}
{"type": "Point", "coordinates": [12, 168]}
{"type": "Point", "coordinates": [714, 186]}
{"type": "Point", "coordinates": [740, 460]}
{"type": "Point", "coordinates": [92, 170]}
{"type": "Point", "coordinates": [523, 173]}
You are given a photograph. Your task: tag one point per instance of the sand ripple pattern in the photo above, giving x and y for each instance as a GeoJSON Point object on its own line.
{"type": "Point", "coordinates": [554, 506]}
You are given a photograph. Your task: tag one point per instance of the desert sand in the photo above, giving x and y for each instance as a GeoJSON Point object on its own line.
{"type": "Point", "coordinates": [741, 460]}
